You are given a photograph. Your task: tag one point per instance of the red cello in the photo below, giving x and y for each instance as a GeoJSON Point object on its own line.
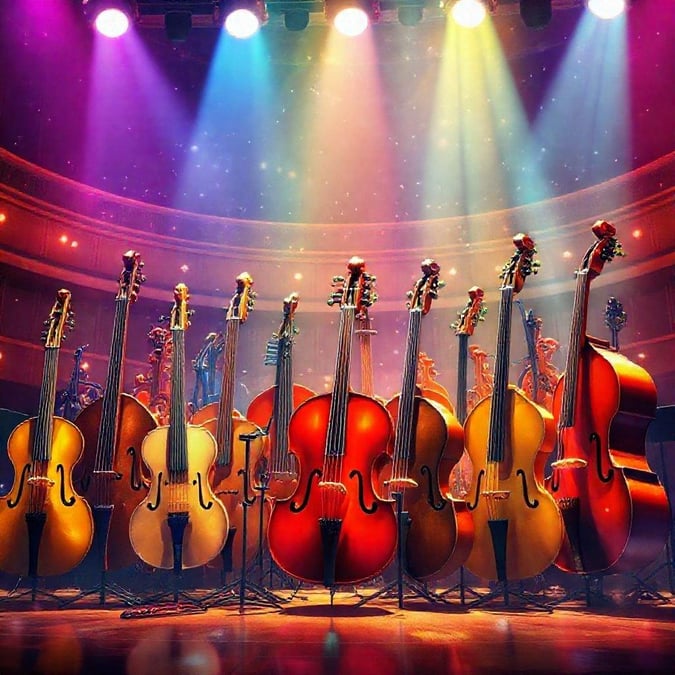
{"type": "Point", "coordinates": [614, 509]}
{"type": "Point", "coordinates": [428, 443]}
{"type": "Point", "coordinates": [272, 409]}
{"type": "Point", "coordinates": [335, 529]}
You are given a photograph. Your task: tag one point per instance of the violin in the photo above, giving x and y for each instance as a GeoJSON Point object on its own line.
{"type": "Point", "coordinates": [518, 525]}
{"type": "Point", "coordinates": [335, 529]}
{"type": "Point", "coordinates": [232, 480]}
{"type": "Point", "coordinates": [473, 312]}
{"type": "Point", "coordinates": [428, 443]}
{"type": "Point", "coordinates": [272, 409]}
{"type": "Point", "coordinates": [181, 523]}
{"type": "Point", "coordinates": [46, 527]}
{"type": "Point", "coordinates": [111, 475]}
{"type": "Point", "coordinates": [614, 509]}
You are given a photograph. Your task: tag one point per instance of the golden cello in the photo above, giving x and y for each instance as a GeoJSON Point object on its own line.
{"type": "Point", "coordinates": [181, 523]}
{"type": "Point", "coordinates": [518, 525]}
{"type": "Point", "coordinates": [46, 527]}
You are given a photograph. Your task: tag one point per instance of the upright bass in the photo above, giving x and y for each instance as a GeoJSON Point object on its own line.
{"type": "Point", "coordinates": [335, 529]}
{"type": "Point", "coordinates": [46, 528]}
{"type": "Point", "coordinates": [615, 511]}
{"type": "Point", "coordinates": [518, 526]}
{"type": "Point", "coordinates": [181, 523]}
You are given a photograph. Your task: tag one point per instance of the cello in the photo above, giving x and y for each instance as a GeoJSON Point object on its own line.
{"type": "Point", "coordinates": [615, 511]}
{"type": "Point", "coordinates": [335, 529]}
{"type": "Point", "coordinates": [46, 527]}
{"type": "Point", "coordinates": [518, 525]}
{"type": "Point", "coordinates": [231, 479]}
{"type": "Point", "coordinates": [473, 312]}
{"type": "Point", "coordinates": [272, 409]}
{"type": "Point", "coordinates": [110, 474]}
{"type": "Point", "coordinates": [428, 442]}
{"type": "Point", "coordinates": [181, 523]}
{"type": "Point", "coordinates": [428, 386]}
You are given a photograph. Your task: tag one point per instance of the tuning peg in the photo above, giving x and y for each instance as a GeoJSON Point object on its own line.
{"type": "Point", "coordinates": [338, 280]}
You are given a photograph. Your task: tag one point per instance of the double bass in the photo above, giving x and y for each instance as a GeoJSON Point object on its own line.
{"type": "Point", "coordinates": [181, 523]}
{"type": "Point", "coordinates": [518, 525]}
{"type": "Point", "coordinates": [272, 409]}
{"type": "Point", "coordinates": [428, 442]}
{"type": "Point", "coordinates": [46, 527]}
{"type": "Point", "coordinates": [335, 529]}
{"type": "Point", "coordinates": [615, 511]}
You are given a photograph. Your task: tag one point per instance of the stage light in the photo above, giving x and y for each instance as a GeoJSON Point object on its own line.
{"type": "Point", "coordinates": [410, 13]}
{"type": "Point", "coordinates": [111, 18]}
{"type": "Point", "coordinates": [242, 18]}
{"type": "Point", "coordinates": [296, 19]}
{"type": "Point", "coordinates": [536, 13]}
{"type": "Point", "coordinates": [607, 9]}
{"type": "Point", "coordinates": [468, 13]}
{"type": "Point", "coordinates": [177, 24]}
{"type": "Point", "coordinates": [352, 17]}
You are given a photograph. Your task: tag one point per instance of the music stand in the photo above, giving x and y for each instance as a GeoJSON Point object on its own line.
{"type": "Point", "coordinates": [248, 591]}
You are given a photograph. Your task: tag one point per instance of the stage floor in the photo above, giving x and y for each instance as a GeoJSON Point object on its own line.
{"type": "Point", "coordinates": [308, 635]}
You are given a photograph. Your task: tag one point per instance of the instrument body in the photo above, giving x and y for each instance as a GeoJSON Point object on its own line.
{"type": "Point", "coordinates": [181, 523]}
{"type": "Point", "coordinates": [46, 527]}
{"type": "Point", "coordinates": [335, 529]}
{"type": "Point", "coordinates": [518, 529]}
{"type": "Point", "coordinates": [111, 475]}
{"type": "Point", "coordinates": [615, 511]}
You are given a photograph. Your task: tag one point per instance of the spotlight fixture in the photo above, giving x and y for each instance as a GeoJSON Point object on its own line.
{"type": "Point", "coordinates": [536, 13]}
{"type": "Point", "coordinates": [242, 18]}
{"type": "Point", "coordinates": [410, 12]}
{"type": "Point", "coordinates": [177, 24]}
{"type": "Point", "coordinates": [468, 13]}
{"type": "Point", "coordinates": [296, 19]}
{"type": "Point", "coordinates": [352, 17]}
{"type": "Point", "coordinates": [607, 9]}
{"type": "Point", "coordinates": [111, 18]}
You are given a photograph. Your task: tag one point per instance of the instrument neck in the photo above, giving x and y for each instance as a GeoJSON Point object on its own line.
{"type": "Point", "coordinates": [178, 457]}
{"type": "Point", "coordinates": [224, 433]}
{"type": "Point", "coordinates": [41, 448]}
{"type": "Point", "coordinates": [283, 404]}
{"type": "Point", "coordinates": [462, 364]}
{"type": "Point", "coordinates": [576, 343]}
{"type": "Point", "coordinates": [530, 329]}
{"type": "Point", "coordinates": [497, 435]}
{"type": "Point", "coordinates": [107, 435]}
{"type": "Point", "coordinates": [364, 332]}
{"type": "Point", "coordinates": [406, 412]}
{"type": "Point", "coordinates": [337, 421]}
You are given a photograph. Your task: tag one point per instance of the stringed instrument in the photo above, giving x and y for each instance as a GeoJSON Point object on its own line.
{"type": "Point", "coordinates": [473, 312]}
{"type": "Point", "coordinates": [615, 320]}
{"type": "Point", "coordinates": [153, 389]}
{"type": "Point", "coordinates": [484, 380]}
{"type": "Point", "coordinates": [518, 526]}
{"type": "Point", "coordinates": [230, 479]}
{"type": "Point", "coordinates": [335, 529]}
{"type": "Point", "coordinates": [615, 511]}
{"type": "Point", "coordinates": [46, 527]}
{"type": "Point", "coordinates": [181, 523]}
{"type": "Point", "coordinates": [364, 331]}
{"type": "Point", "coordinates": [110, 474]}
{"type": "Point", "coordinates": [272, 409]}
{"type": "Point", "coordinates": [428, 443]}
{"type": "Point", "coordinates": [428, 387]}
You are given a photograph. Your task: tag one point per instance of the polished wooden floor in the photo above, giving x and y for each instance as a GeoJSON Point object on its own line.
{"type": "Point", "coordinates": [306, 634]}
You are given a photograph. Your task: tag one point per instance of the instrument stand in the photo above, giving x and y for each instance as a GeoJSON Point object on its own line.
{"type": "Point", "coordinates": [248, 591]}
{"type": "Point", "coordinates": [405, 585]}
{"type": "Point", "coordinates": [462, 587]}
{"type": "Point", "coordinates": [591, 591]}
{"type": "Point", "coordinates": [503, 588]}
{"type": "Point", "coordinates": [104, 589]}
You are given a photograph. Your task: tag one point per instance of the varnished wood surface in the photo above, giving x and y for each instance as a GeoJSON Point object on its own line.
{"type": "Point", "coordinates": [308, 636]}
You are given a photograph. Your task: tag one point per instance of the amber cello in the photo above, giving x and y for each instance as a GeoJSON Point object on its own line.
{"type": "Point", "coordinates": [46, 527]}
{"type": "Point", "coordinates": [428, 443]}
{"type": "Point", "coordinates": [335, 529]}
{"type": "Point", "coordinates": [615, 511]}
{"type": "Point", "coordinates": [111, 475]}
{"type": "Point", "coordinates": [518, 526]}
{"type": "Point", "coordinates": [272, 409]}
{"type": "Point", "coordinates": [233, 481]}
{"type": "Point", "coordinates": [181, 523]}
